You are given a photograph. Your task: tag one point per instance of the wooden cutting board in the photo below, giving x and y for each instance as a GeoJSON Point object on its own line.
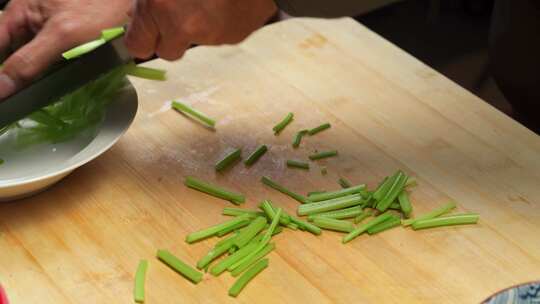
{"type": "Point", "coordinates": [80, 242]}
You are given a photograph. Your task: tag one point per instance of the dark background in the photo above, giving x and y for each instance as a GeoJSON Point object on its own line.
{"type": "Point", "coordinates": [452, 38]}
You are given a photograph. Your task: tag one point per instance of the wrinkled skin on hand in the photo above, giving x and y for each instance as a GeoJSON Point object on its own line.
{"type": "Point", "coordinates": [168, 27]}
{"type": "Point", "coordinates": [43, 29]}
{"type": "Point", "coordinates": [40, 30]}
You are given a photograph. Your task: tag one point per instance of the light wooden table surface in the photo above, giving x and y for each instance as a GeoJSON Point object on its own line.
{"type": "Point", "coordinates": [80, 242]}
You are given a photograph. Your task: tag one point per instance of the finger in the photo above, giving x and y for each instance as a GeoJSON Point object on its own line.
{"type": "Point", "coordinates": [173, 41]}
{"type": "Point", "coordinates": [5, 38]}
{"type": "Point", "coordinates": [142, 35]}
{"type": "Point", "coordinates": [130, 12]}
{"type": "Point", "coordinates": [33, 58]}
{"type": "Point", "coordinates": [4, 41]}
{"type": "Point", "coordinates": [14, 31]}
{"type": "Point", "coordinates": [171, 50]}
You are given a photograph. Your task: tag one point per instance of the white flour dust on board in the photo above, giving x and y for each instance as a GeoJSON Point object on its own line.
{"type": "Point", "coordinates": [191, 99]}
{"type": "Point", "coordinates": [164, 108]}
{"type": "Point", "coordinates": [232, 117]}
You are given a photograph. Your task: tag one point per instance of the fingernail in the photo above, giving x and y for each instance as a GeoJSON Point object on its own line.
{"type": "Point", "coordinates": [7, 86]}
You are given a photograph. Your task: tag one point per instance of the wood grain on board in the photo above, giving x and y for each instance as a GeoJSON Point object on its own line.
{"type": "Point", "coordinates": [80, 242]}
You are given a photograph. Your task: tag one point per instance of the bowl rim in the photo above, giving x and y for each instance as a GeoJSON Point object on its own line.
{"type": "Point", "coordinates": [509, 288]}
{"type": "Point", "coordinates": [130, 113]}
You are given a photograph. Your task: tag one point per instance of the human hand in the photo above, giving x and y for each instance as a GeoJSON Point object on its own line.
{"type": "Point", "coordinates": [168, 27]}
{"type": "Point", "coordinates": [45, 28]}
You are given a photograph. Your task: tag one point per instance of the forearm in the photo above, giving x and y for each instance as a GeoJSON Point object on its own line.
{"type": "Point", "coordinates": [320, 8]}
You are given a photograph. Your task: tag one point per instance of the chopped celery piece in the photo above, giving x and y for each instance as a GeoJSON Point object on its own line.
{"type": "Point", "coordinates": [362, 216]}
{"type": "Point", "coordinates": [344, 183]}
{"type": "Point", "coordinates": [233, 258]}
{"type": "Point", "coordinates": [315, 192]}
{"type": "Point", "coordinates": [268, 209]}
{"type": "Point", "coordinates": [291, 163]}
{"type": "Point", "coordinates": [395, 205]}
{"type": "Point", "coordinates": [390, 223]}
{"type": "Point", "coordinates": [260, 245]}
{"type": "Point", "coordinates": [278, 230]}
{"type": "Point", "coordinates": [247, 277]}
{"type": "Point", "coordinates": [393, 192]}
{"type": "Point", "coordinates": [185, 109]}
{"type": "Point", "coordinates": [253, 157]}
{"type": "Point", "coordinates": [405, 203]}
{"type": "Point", "coordinates": [250, 232]}
{"type": "Point", "coordinates": [457, 219]}
{"type": "Point", "coordinates": [43, 117]}
{"type": "Point", "coordinates": [329, 205]}
{"type": "Point", "coordinates": [246, 264]}
{"type": "Point", "coordinates": [324, 154]}
{"type": "Point", "coordinates": [319, 129]}
{"type": "Point", "coordinates": [229, 159]}
{"type": "Point", "coordinates": [260, 236]}
{"type": "Point", "coordinates": [225, 240]}
{"type": "Point", "coordinates": [233, 228]}
{"type": "Point", "coordinates": [335, 194]}
{"type": "Point", "coordinates": [281, 125]}
{"type": "Point", "coordinates": [333, 224]}
{"type": "Point", "coordinates": [205, 269]}
{"type": "Point", "coordinates": [270, 232]}
{"type": "Point", "coordinates": [83, 49]}
{"type": "Point", "coordinates": [177, 265]}
{"type": "Point", "coordinates": [111, 33]}
{"type": "Point", "coordinates": [381, 190]}
{"type": "Point", "coordinates": [298, 138]}
{"type": "Point", "coordinates": [411, 182]}
{"type": "Point", "coordinates": [146, 72]}
{"type": "Point", "coordinates": [140, 277]}
{"type": "Point", "coordinates": [220, 249]}
{"type": "Point", "coordinates": [363, 228]}
{"type": "Point", "coordinates": [239, 211]}
{"type": "Point", "coordinates": [284, 214]}
{"type": "Point", "coordinates": [213, 190]}
{"type": "Point", "coordinates": [433, 214]}
{"type": "Point", "coordinates": [306, 226]}
{"type": "Point", "coordinates": [324, 171]}
{"type": "Point", "coordinates": [339, 214]}
{"type": "Point", "coordinates": [370, 202]}
{"type": "Point", "coordinates": [272, 184]}
{"type": "Point", "coordinates": [292, 226]}
{"type": "Point", "coordinates": [211, 231]}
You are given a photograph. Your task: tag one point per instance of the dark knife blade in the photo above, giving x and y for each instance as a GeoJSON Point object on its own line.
{"type": "Point", "coordinates": [63, 79]}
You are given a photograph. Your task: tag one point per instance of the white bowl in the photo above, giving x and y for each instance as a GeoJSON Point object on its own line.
{"type": "Point", "coordinates": [34, 169]}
